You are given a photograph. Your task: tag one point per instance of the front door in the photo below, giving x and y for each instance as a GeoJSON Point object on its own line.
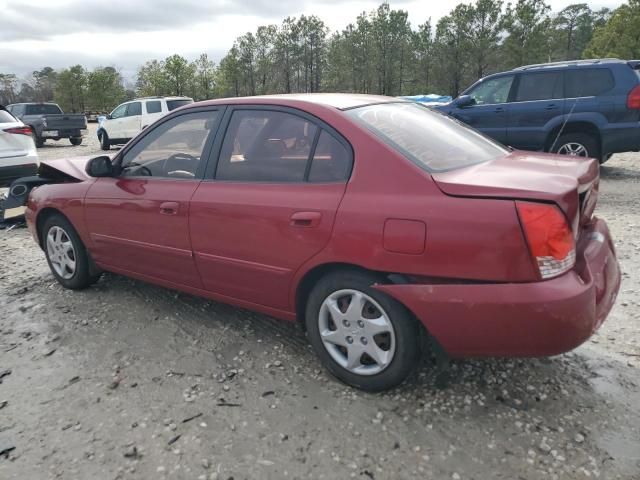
{"type": "Point", "coordinates": [270, 205]}
{"type": "Point", "coordinates": [132, 121]}
{"type": "Point", "coordinates": [115, 124]}
{"type": "Point", "coordinates": [489, 110]}
{"type": "Point", "coordinates": [537, 101]}
{"type": "Point", "coordinates": [139, 220]}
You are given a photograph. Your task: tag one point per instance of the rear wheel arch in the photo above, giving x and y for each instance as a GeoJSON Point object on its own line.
{"type": "Point", "coordinates": [574, 127]}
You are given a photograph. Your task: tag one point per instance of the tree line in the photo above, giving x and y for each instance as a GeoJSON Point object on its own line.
{"type": "Point", "coordinates": [381, 52]}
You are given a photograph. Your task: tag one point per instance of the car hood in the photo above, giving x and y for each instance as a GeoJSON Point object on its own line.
{"type": "Point", "coordinates": [73, 167]}
{"type": "Point", "coordinates": [525, 176]}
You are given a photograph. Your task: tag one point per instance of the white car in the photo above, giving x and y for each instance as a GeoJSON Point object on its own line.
{"type": "Point", "coordinates": [18, 154]}
{"type": "Point", "coordinates": [129, 118]}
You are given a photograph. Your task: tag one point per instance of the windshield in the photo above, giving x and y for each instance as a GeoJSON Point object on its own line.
{"type": "Point", "coordinates": [173, 104]}
{"type": "Point", "coordinates": [432, 140]}
{"type": "Point", "coordinates": [42, 109]}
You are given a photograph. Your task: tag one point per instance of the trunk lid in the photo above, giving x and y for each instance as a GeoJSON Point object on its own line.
{"type": "Point", "coordinates": [569, 182]}
{"type": "Point", "coordinates": [66, 121]}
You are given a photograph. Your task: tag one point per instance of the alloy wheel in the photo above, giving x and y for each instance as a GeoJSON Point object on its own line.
{"type": "Point", "coordinates": [574, 149]}
{"type": "Point", "coordinates": [356, 332]}
{"type": "Point", "coordinates": [61, 253]}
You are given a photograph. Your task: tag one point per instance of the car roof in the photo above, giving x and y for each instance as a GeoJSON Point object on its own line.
{"type": "Point", "coordinates": [341, 101]}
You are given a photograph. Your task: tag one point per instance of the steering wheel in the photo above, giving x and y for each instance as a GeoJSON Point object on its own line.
{"type": "Point", "coordinates": [180, 172]}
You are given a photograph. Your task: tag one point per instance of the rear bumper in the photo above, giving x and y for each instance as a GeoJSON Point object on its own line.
{"type": "Point", "coordinates": [621, 138]}
{"type": "Point", "coordinates": [525, 319]}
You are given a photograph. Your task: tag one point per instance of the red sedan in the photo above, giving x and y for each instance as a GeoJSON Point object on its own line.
{"type": "Point", "coordinates": [371, 221]}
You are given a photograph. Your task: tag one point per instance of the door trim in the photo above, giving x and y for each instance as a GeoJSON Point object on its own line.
{"type": "Point", "coordinates": [177, 252]}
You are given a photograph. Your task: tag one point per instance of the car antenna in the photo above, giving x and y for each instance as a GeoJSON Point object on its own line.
{"type": "Point", "coordinates": [564, 124]}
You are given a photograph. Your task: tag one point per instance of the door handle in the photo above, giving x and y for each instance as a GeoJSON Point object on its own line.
{"type": "Point", "coordinates": [305, 219]}
{"type": "Point", "coordinates": [499, 110]}
{"type": "Point", "coordinates": [169, 208]}
{"type": "Point", "coordinates": [551, 106]}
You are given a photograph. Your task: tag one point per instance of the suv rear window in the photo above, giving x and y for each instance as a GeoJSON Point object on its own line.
{"type": "Point", "coordinates": [43, 109]}
{"type": "Point", "coordinates": [588, 82]}
{"type": "Point", "coordinates": [173, 104]}
{"type": "Point", "coordinates": [432, 140]}
{"type": "Point", "coordinates": [6, 117]}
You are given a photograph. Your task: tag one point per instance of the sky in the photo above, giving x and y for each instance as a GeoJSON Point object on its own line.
{"type": "Point", "coordinates": [126, 33]}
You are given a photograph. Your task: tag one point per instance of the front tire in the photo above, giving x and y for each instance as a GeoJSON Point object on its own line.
{"type": "Point", "coordinates": [75, 140]}
{"type": "Point", "coordinates": [577, 145]}
{"type": "Point", "coordinates": [105, 144]}
{"type": "Point", "coordinates": [66, 255]}
{"type": "Point", "coordinates": [363, 337]}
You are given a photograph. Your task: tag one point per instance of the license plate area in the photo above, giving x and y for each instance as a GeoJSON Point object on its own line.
{"type": "Point", "coordinates": [50, 133]}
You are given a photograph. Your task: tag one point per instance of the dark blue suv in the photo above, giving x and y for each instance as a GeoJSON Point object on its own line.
{"type": "Point", "coordinates": [587, 108]}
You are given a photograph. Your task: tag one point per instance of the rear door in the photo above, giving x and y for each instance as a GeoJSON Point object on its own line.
{"type": "Point", "coordinates": [268, 203]}
{"type": "Point", "coordinates": [489, 112]}
{"type": "Point", "coordinates": [139, 220]}
{"type": "Point", "coordinates": [538, 99]}
{"type": "Point", "coordinates": [132, 121]}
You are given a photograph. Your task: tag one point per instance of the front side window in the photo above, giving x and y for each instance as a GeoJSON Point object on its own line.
{"type": "Point", "coordinates": [433, 141]}
{"type": "Point", "coordinates": [173, 149]}
{"type": "Point", "coordinates": [154, 106]}
{"type": "Point", "coordinates": [119, 111]}
{"type": "Point", "coordinates": [492, 90]}
{"type": "Point", "coordinates": [134, 109]}
{"type": "Point", "coordinates": [265, 146]}
{"type": "Point", "coordinates": [539, 86]}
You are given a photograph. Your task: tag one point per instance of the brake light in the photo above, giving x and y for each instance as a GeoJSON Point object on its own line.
{"type": "Point", "coordinates": [26, 130]}
{"type": "Point", "coordinates": [633, 100]}
{"type": "Point", "coordinates": [549, 236]}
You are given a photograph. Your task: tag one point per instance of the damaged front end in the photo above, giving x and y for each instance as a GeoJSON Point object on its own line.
{"type": "Point", "coordinates": [53, 171]}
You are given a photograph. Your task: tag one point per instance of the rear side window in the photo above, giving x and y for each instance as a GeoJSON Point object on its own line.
{"type": "Point", "coordinates": [154, 106]}
{"type": "Point", "coordinates": [43, 109]}
{"type": "Point", "coordinates": [134, 109]}
{"type": "Point", "coordinates": [266, 146]}
{"type": "Point", "coordinates": [173, 104]}
{"type": "Point", "coordinates": [588, 82]}
{"type": "Point", "coordinates": [331, 160]}
{"type": "Point", "coordinates": [6, 117]}
{"type": "Point", "coordinates": [430, 139]}
{"type": "Point", "coordinates": [539, 86]}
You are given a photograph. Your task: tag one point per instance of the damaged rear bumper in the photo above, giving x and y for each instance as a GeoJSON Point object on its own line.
{"type": "Point", "coordinates": [521, 319]}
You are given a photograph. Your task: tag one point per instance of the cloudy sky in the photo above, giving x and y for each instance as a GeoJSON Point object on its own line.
{"type": "Point", "coordinates": [125, 33]}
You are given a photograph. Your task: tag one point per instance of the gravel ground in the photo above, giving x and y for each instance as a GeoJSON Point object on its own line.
{"type": "Point", "coordinates": [126, 380]}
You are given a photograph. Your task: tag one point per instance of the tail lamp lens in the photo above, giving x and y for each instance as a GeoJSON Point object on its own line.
{"type": "Point", "coordinates": [551, 242]}
{"type": "Point", "coordinates": [633, 99]}
{"type": "Point", "coordinates": [26, 130]}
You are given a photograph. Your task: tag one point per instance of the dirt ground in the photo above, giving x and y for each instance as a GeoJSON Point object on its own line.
{"type": "Point", "coordinates": [129, 381]}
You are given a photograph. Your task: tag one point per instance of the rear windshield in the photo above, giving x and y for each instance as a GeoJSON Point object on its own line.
{"type": "Point", "coordinates": [173, 104]}
{"type": "Point", "coordinates": [42, 109]}
{"type": "Point", "coordinates": [430, 139]}
{"type": "Point", "coordinates": [6, 117]}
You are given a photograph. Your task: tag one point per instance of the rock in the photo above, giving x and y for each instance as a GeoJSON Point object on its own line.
{"type": "Point", "coordinates": [132, 452]}
{"type": "Point", "coordinates": [544, 447]}
{"type": "Point", "coordinates": [578, 438]}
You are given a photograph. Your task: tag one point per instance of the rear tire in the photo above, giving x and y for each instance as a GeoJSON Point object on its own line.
{"type": "Point", "coordinates": [66, 254]}
{"type": "Point", "coordinates": [105, 144]}
{"type": "Point", "coordinates": [75, 140]}
{"type": "Point", "coordinates": [577, 144]}
{"type": "Point", "coordinates": [378, 325]}
{"type": "Point", "coordinates": [37, 140]}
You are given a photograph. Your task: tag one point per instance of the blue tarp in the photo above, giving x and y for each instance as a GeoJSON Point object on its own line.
{"type": "Point", "coordinates": [430, 98]}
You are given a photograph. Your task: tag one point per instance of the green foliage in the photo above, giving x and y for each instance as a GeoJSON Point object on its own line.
{"type": "Point", "coordinates": [378, 53]}
{"type": "Point", "coordinates": [619, 36]}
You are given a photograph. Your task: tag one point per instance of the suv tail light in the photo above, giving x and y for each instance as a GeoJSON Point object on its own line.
{"type": "Point", "coordinates": [26, 130]}
{"type": "Point", "coordinates": [633, 100]}
{"type": "Point", "coordinates": [549, 236]}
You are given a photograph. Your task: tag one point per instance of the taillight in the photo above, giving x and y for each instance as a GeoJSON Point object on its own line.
{"type": "Point", "coordinates": [633, 100]}
{"type": "Point", "coordinates": [549, 237]}
{"type": "Point", "coordinates": [26, 130]}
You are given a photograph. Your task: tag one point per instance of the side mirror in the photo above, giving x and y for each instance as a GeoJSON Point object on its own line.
{"type": "Point", "coordinates": [464, 101]}
{"type": "Point", "coordinates": [100, 167]}
{"type": "Point", "coordinates": [109, 117]}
